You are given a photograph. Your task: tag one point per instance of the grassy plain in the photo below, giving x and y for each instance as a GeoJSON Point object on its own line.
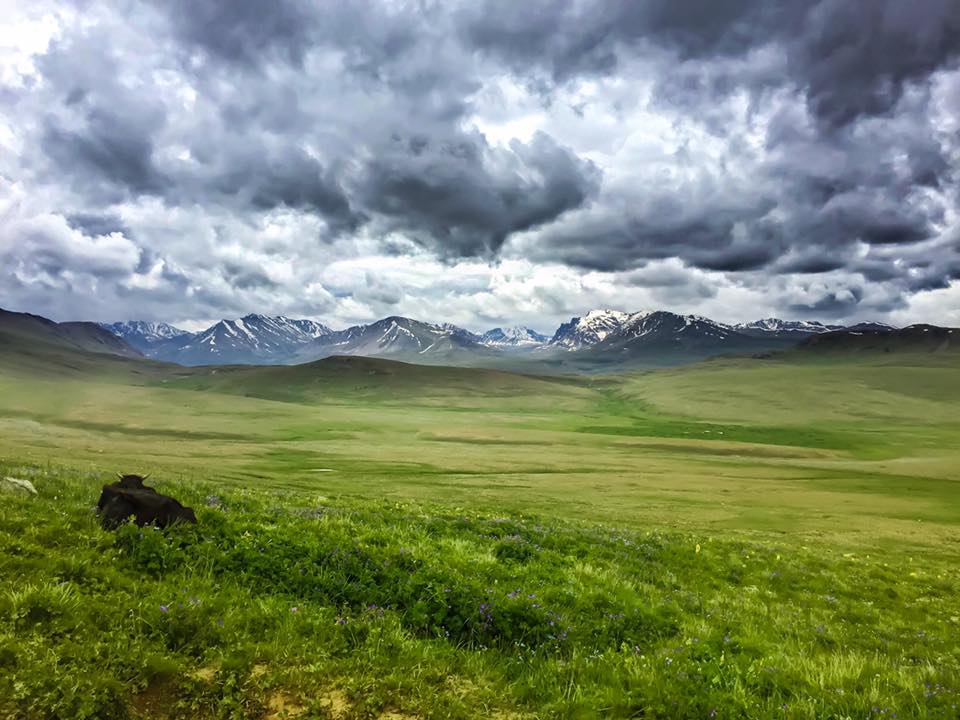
{"type": "Point", "coordinates": [740, 538]}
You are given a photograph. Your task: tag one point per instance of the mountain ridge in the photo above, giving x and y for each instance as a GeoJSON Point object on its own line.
{"type": "Point", "coordinates": [602, 338]}
{"type": "Point", "coordinates": [85, 336]}
{"type": "Point", "coordinates": [513, 336]}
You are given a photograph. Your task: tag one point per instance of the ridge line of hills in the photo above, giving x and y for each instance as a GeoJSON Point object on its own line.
{"type": "Point", "coordinates": [601, 340]}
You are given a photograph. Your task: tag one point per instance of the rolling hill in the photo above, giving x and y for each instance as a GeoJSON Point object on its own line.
{"type": "Point", "coordinates": [18, 328]}
{"type": "Point", "coordinates": [912, 339]}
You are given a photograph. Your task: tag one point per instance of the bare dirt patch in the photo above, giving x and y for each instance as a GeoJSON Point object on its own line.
{"type": "Point", "coordinates": [335, 704]}
{"type": "Point", "coordinates": [157, 702]}
{"type": "Point", "coordinates": [283, 706]}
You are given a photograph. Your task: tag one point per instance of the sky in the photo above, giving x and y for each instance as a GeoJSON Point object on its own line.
{"type": "Point", "coordinates": [482, 163]}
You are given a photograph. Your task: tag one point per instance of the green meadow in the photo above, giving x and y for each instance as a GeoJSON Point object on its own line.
{"type": "Point", "coordinates": [742, 538]}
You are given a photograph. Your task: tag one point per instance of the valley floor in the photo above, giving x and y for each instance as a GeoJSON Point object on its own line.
{"type": "Point", "coordinates": [741, 538]}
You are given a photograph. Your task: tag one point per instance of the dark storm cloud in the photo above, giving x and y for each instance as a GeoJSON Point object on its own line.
{"type": "Point", "coordinates": [247, 279]}
{"type": "Point", "coordinates": [569, 38]}
{"type": "Point", "coordinates": [245, 31]}
{"type": "Point", "coordinates": [265, 180]}
{"type": "Point", "coordinates": [109, 148]}
{"type": "Point", "coordinates": [855, 57]}
{"type": "Point", "coordinates": [831, 304]}
{"type": "Point", "coordinates": [464, 198]}
{"type": "Point", "coordinates": [852, 58]}
{"type": "Point", "coordinates": [723, 233]}
{"type": "Point", "coordinates": [94, 224]}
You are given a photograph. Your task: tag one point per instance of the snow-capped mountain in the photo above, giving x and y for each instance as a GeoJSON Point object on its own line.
{"type": "Point", "coordinates": [588, 330]}
{"type": "Point", "coordinates": [597, 340]}
{"type": "Point", "coordinates": [610, 338]}
{"type": "Point", "coordinates": [261, 333]}
{"type": "Point", "coordinates": [612, 327]}
{"type": "Point", "coordinates": [395, 337]}
{"type": "Point", "coordinates": [516, 337]}
{"type": "Point", "coordinates": [799, 328]}
{"type": "Point", "coordinates": [141, 334]}
{"type": "Point", "coordinates": [667, 325]}
{"type": "Point", "coordinates": [250, 339]}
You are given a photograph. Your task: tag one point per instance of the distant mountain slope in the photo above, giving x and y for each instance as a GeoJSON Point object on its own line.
{"type": "Point", "coordinates": [588, 330]}
{"type": "Point", "coordinates": [875, 326]}
{"type": "Point", "coordinates": [86, 336]}
{"type": "Point", "coordinates": [602, 339]}
{"type": "Point", "coordinates": [252, 339]}
{"type": "Point", "coordinates": [401, 338]}
{"type": "Point", "coordinates": [611, 341]}
{"type": "Point", "coordinates": [784, 328]}
{"type": "Point", "coordinates": [143, 335]}
{"type": "Point", "coordinates": [513, 337]}
{"type": "Point", "coordinates": [914, 338]}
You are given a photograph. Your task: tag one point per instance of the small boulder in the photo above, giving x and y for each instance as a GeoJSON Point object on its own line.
{"type": "Point", "coordinates": [13, 484]}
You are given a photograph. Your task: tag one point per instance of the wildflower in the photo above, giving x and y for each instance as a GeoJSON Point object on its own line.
{"type": "Point", "coordinates": [342, 621]}
{"type": "Point", "coordinates": [164, 609]}
{"type": "Point", "coordinates": [294, 609]}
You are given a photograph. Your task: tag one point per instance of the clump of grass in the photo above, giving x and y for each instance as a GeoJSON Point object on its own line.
{"type": "Point", "coordinates": [352, 609]}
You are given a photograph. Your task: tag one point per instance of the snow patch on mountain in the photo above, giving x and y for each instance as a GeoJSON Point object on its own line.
{"type": "Point", "coordinates": [516, 336]}
{"type": "Point", "coordinates": [776, 325]}
{"type": "Point", "coordinates": [142, 330]}
{"type": "Point", "coordinates": [588, 330]}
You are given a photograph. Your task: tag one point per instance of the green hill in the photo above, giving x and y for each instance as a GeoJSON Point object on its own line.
{"type": "Point", "coordinates": [33, 345]}
{"type": "Point", "coordinates": [912, 339]}
{"type": "Point", "coordinates": [23, 328]}
{"type": "Point", "coordinates": [374, 379]}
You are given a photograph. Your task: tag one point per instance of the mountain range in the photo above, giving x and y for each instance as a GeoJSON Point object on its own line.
{"type": "Point", "coordinates": [600, 339]}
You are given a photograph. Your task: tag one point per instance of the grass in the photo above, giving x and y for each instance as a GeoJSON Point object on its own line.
{"type": "Point", "coordinates": [422, 610]}
{"type": "Point", "coordinates": [741, 538]}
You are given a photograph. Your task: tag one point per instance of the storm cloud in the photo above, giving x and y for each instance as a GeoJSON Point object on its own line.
{"type": "Point", "coordinates": [481, 162]}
